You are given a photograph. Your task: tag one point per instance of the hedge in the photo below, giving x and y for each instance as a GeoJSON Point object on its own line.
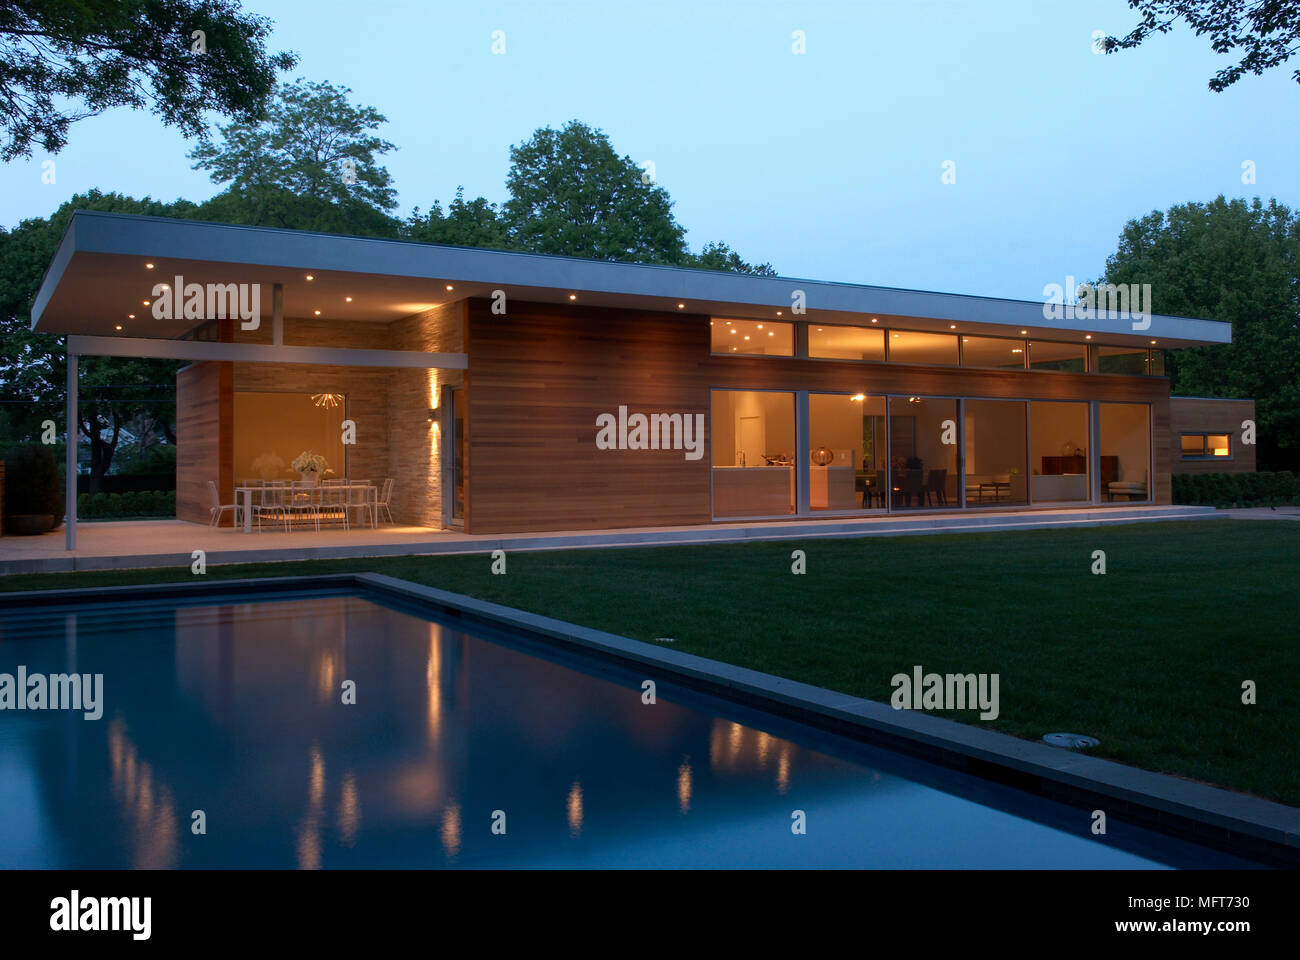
{"type": "Point", "coordinates": [1262, 489]}
{"type": "Point", "coordinates": [134, 504]}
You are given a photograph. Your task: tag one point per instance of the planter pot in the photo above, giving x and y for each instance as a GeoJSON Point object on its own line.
{"type": "Point", "coordinates": [29, 524]}
{"type": "Point", "coordinates": [309, 477]}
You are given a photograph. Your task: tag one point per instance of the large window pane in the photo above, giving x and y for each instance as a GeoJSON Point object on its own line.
{"type": "Point", "coordinates": [271, 429]}
{"type": "Point", "coordinates": [996, 471]}
{"type": "Point", "coordinates": [1059, 452]}
{"type": "Point", "coordinates": [846, 343]}
{"type": "Point", "coordinates": [992, 352]}
{"type": "Point", "coordinates": [753, 453]}
{"type": "Point", "coordinates": [923, 463]}
{"type": "Point", "coordinates": [1125, 451]}
{"type": "Point", "coordinates": [935, 348]}
{"type": "Point", "coordinates": [847, 439]}
{"type": "Point", "coordinates": [752, 337]}
{"type": "Point", "coordinates": [1122, 360]}
{"type": "Point", "coordinates": [1070, 357]}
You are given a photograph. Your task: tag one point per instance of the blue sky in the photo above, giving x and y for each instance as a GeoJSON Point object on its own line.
{"type": "Point", "coordinates": [827, 164]}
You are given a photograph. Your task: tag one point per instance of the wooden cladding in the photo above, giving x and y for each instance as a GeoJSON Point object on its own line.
{"type": "Point", "coordinates": [1205, 415]}
{"type": "Point", "coordinates": [540, 375]}
{"type": "Point", "coordinates": [205, 403]}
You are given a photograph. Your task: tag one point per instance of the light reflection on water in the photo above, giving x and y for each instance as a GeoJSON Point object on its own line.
{"type": "Point", "coordinates": [236, 709]}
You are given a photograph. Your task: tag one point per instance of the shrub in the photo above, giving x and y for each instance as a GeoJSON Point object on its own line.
{"type": "Point", "coordinates": [143, 503]}
{"type": "Point", "coordinates": [1242, 489]}
{"type": "Point", "coordinates": [32, 482]}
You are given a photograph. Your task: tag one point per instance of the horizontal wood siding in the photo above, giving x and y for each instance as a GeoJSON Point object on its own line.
{"type": "Point", "coordinates": [204, 444]}
{"type": "Point", "coordinates": [1206, 415]}
{"type": "Point", "coordinates": [540, 375]}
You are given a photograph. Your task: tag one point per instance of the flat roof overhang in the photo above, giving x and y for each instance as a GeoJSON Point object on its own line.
{"type": "Point", "coordinates": [98, 278]}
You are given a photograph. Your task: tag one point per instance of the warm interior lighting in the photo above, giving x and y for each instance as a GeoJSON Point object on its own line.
{"type": "Point", "coordinates": [450, 287]}
{"type": "Point", "coordinates": [310, 277]}
{"type": "Point", "coordinates": [858, 396]}
{"type": "Point", "coordinates": [573, 296]}
{"type": "Point", "coordinates": [433, 414]}
{"type": "Point", "coordinates": [874, 320]}
{"type": "Point", "coordinates": [681, 306]}
{"type": "Point", "coordinates": [1153, 342]}
{"type": "Point", "coordinates": [952, 326]}
{"type": "Point", "coordinates": [1016, 350]}
{"type": "Point", "coordinates": [771, 333]}
{"type": "Point", "coordinates": [145, 302]}
{"type": "Point", "coordinates": [130, 316]}
{"type": "Point", "coordinates": [117, 326]}
{"type": "Point", "coordinates": [1087, 336]}
{"type": "Point", "coordinates": [1023, 332]}
{"type": "Point", "coordinates": [348, 299]}
{"type": "Point", "coordinates": [760, 326]}
{"type": "Point", "coordinates": [327, 400]}
{"type": "Point", "coordinates": [148, 266]}
{"type": "Point", "coordinates": [746, 336]}
{"type": "Point", "coordinates": [778, 313]}
{"type": "Point", "coordinates": [318, 313]}
{"type": "Point", "coordinates": [732, 330]}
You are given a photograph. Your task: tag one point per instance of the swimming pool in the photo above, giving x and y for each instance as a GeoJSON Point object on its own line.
{"type": "Point", "coordinates": [461, 749]}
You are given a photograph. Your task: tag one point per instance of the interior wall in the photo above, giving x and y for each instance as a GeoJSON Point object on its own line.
{"type": "Point", "coordinates": [1053, 425]}
{"type": "Point", "coordinates": [1126, 433]}
{"type": "Point", "coordinates": [271, 429]}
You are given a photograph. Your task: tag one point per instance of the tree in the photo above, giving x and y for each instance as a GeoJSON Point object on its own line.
{"type": "Point", "coordinates": [572, 194]}
{"type": "Point", "coordinates": [309, 164]}
{"type": "Point", "coordinates": [1234, 261]}
{"type": "Point", "coordinates": [477, 223]}
{"type": "Point", "coordinates": [33, 366]}
{"type": "Point", "coordinates": [1266, 31]}
{"type": "Point", "coordinates": [62, 61]}
{"type": "Point", "coordinates": [719, 256]}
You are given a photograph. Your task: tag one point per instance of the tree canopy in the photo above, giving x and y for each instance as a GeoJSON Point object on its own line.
{"type": "Point", "coordinates": [311, 163]}
{"type": "Point", "coordinates": [1266, 33]}
{"type": "Point", "coordinates": [61, 62]}
{"type": "Point", "coordinates": [1237, 261]}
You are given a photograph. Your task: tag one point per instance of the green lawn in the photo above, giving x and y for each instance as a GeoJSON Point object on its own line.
{"type": "Point", "coordinates": [1149, 658]}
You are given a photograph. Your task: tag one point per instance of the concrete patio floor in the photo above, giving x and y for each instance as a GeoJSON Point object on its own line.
{"type": "Point", "coordinates": [166, 543]}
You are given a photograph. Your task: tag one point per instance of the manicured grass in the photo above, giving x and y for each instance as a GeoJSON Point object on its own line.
{"type": "Point", "coordinates": [1150, 657]}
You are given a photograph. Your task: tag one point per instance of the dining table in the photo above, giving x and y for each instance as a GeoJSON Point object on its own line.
{"type": "Point", "coordinates": [369, 499]}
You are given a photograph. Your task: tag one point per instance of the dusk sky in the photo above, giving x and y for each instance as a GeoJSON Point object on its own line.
{"type": "Point", "coordinates": [826, 164]}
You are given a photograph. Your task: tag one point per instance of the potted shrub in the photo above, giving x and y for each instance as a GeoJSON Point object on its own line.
{"type": "Point", "coordinates": [33, 491]}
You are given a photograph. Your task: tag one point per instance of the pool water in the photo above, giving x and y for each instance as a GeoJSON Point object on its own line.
{"type": "Point", "coordinates": [460, 750]}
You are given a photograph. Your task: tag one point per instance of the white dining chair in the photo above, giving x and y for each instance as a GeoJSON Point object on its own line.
{"type": "Point", "coordinates": [217, 509]}
{"type": "Point", "coordinates": [270, 503]}
{"type": "Point", "coordinates": [385, 494]}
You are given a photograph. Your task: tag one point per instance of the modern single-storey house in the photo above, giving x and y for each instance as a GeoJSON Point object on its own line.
{"type": "Point", "coordinates": [512, 392]}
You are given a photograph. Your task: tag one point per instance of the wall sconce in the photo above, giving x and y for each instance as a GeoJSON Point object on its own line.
{"type": "Point", "coordinates": [433, 414]}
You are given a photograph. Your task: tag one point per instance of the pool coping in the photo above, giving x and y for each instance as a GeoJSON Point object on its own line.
{"type": "Point", "coordinates": [1206, 814]}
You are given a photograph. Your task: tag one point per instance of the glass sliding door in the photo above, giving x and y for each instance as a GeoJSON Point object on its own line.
{"type": "Point", "coordinates": [995, 453]}
{"type": "Point", "coordinates": [1058, 452]}
{"type": "Point", "coordinates": [922, 453]}
{"type": "Point", "coordinates": [753, 439]}
{"type": "Point", "coordinates": [846, 439]}
{"type": "Point", "coordinates": [1125, 451]}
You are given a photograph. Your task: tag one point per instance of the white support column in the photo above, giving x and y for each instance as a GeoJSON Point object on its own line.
{"type": "Point", "coordinates": [70, 480]}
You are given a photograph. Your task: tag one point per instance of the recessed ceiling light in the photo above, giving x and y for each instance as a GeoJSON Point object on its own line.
{"type": "Point", "coordinates": [746, 336]}
{"type": "Point", "coordinates": [310, 277]}
{"type": "Point", "coordinates": [1087, 336]}
{"type": "Point", "coordinates": [130, 316]}
{"type": "Point", "coordinates": [732, 330]}
{"type": "Point", "coordinates": [1023, 332]}
{"type": "Point", "coordinates": [450, 287]}
{"type": "Point", "coordinates": [760, 326]}
{"type": "Point", "coordinates": [145, 302]}
{"type": "Point", "coordinates": [1016, 350]}
{"type": "Point", "coordinates": [965, 339]}
{"type": "Point", "coordinates": [148, 266]}
{"type": "Point", "coordinates": [778, 313]}
{"type": "Point", "coordinates": [771, 333]}
{"type": "Point", "coordinates": [952, 326]}
{"type": "Point", "coordinates": [165, 286]}
{"type": "Point", "coordinates": [573, 296]}
{"type": "Point", "coordinates": [819, 329]}
{"type": "Point", "coordinates": [681, 306]}
{"type": "Point", "coordinates": [874, 320]}
{"type": "Point", "coordinates": [318, 313]}
{"type": "Point", "coordinates": [348, 299]}
{"type": "Point", "coordinates": [1153, 341]}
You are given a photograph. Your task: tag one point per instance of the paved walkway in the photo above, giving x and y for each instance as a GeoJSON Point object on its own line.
{"type": "Point", "coordinates": [165, 543]}
{"type": "Point", "coordinates": [1263, 513]}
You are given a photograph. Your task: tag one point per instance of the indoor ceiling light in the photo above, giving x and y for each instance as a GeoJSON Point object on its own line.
{"type": "Point", "coordinates": [117, 326]}
{"type": "Point", "coordinates": [952, 326]}
{"type": "Point", "coordinates": [450, 287]}
{"type": "Point", "coordinates": [327, 400]}
{"type": "Point", "coordinates": [145, 302]}
{"type": "Point", "coordinates": [681, 306]}
{"type": "Point", "coordinates": [1023, 332]}
{"type": "Point", "coordinates": [1087, 336]}
{"type": "Point", "coordinates": [318, 313]}
{"type": "Point", "coordinates": [348, 299]}
{"type": "Point", "coordinates": [310, 277]}
{"type": "Point", "coordinates": [573, 296]}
